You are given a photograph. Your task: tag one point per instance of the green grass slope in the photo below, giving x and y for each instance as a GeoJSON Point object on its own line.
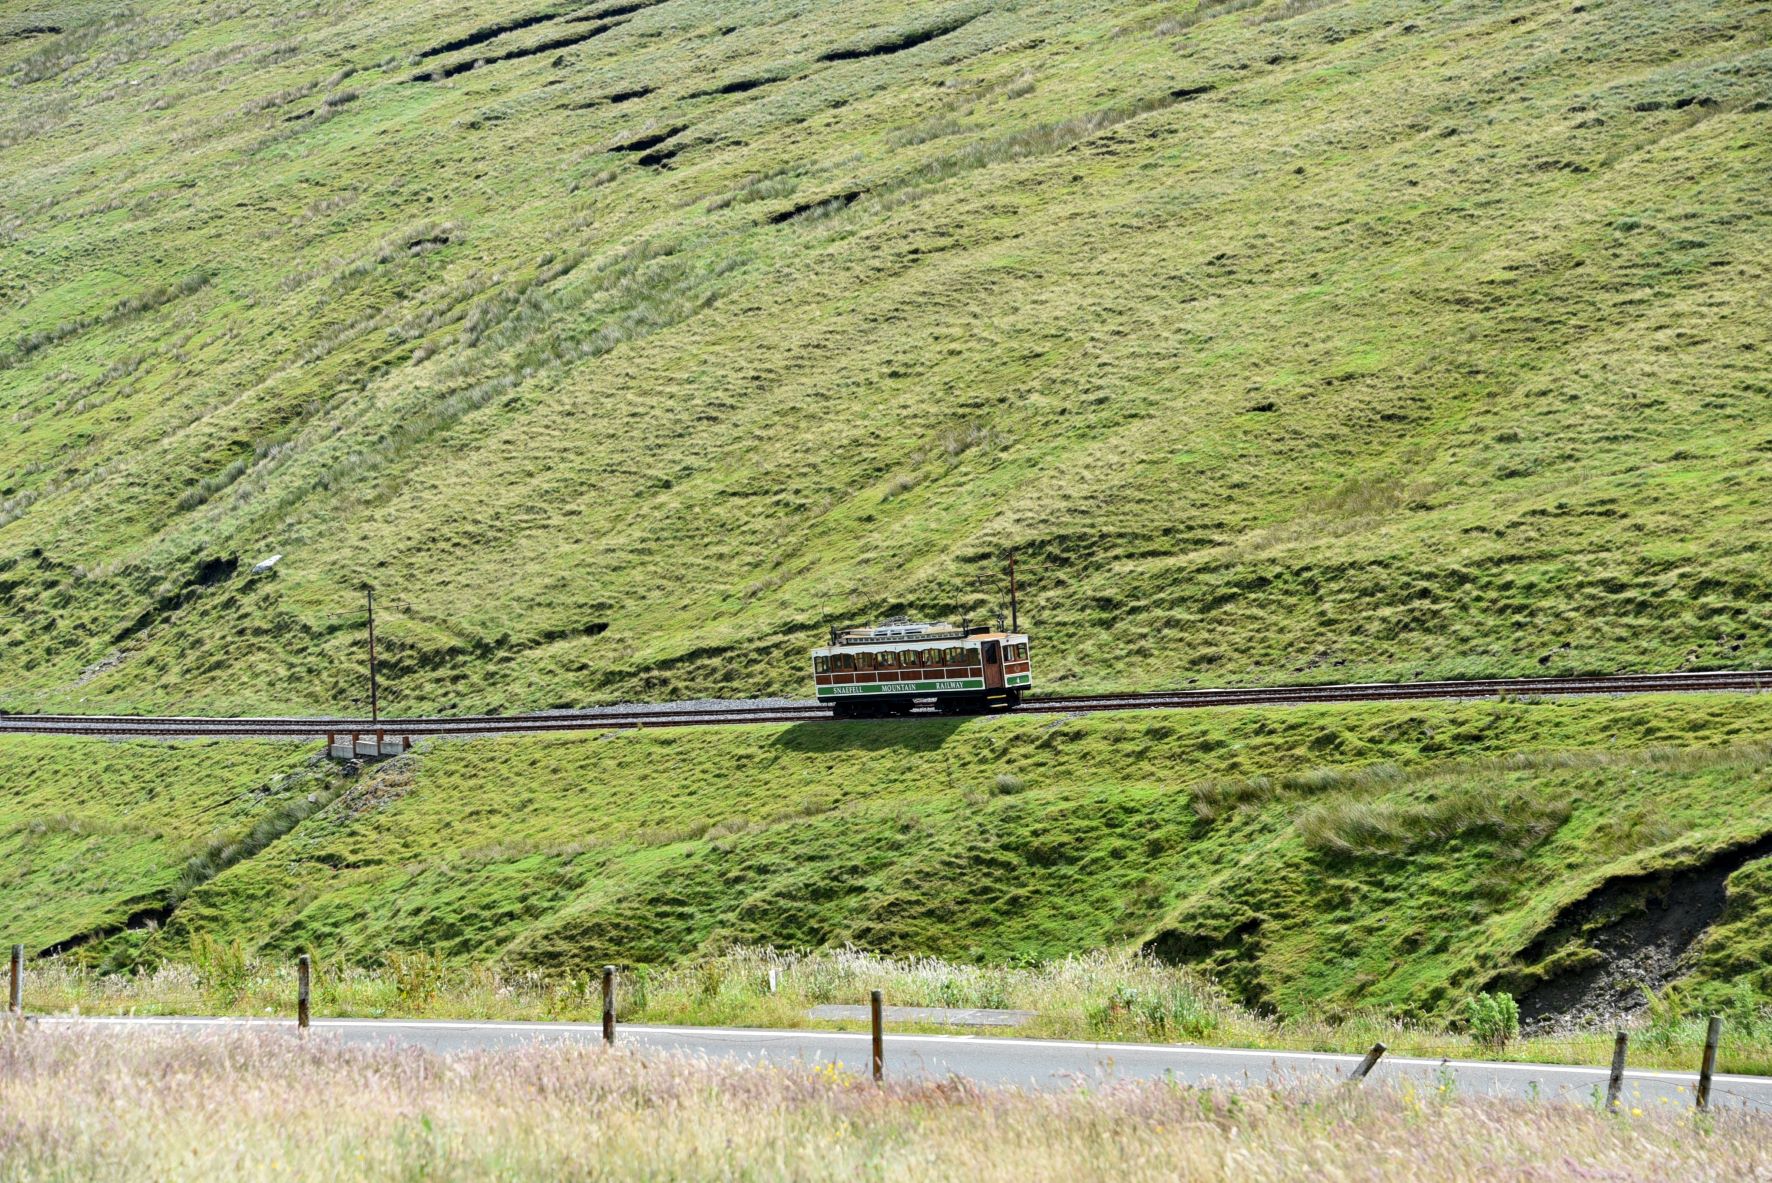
{"type": "Point", "coordinates": [625, 349]}
{"type": "Point", "coordinates": [96, 836]}
{"type": "Point", "coordinates": [1315, 859]}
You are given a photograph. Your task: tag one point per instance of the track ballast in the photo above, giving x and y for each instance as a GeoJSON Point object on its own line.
{"type": "Point", "coordinates": [687, 715]}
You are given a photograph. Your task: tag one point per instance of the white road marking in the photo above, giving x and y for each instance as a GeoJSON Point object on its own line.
{"type": "Point", "coordinates": [761, 1035]}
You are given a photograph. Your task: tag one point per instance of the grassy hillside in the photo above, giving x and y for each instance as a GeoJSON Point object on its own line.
{"type": "Point", "coordinates": [1315, 860]}
{"type": "Point", "coordinates": [624, 345]}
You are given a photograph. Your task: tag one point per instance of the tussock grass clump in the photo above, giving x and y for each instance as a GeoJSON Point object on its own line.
{"type": "Point", "coordinates": [279, 98]}
{"type": "Point", "coordinates": [92, 48]}
{"type": "Point", "coordinates": [124, 309]}
{"type": "Point", "coordinates": [90, 1103]}
{"type": "Point", "coordinates": [72, 824]}
{"type": "Point", "coordinates": [1203, 11]}
{"type": "Point", "coordinates": [1213, 798]}
{"type": "Point", "coordinates": [1039, 140]}
{"type": "Point", "coordinates": [1287, 9]}
{"type": "Point", "coordinates": [280, 818]}
{"type": "Point", "coordinates": [760, 188]}
{"type": "Point", "coordinates": [1102, 995]}
{"type": "Point", "coordinates": [1385, 827]}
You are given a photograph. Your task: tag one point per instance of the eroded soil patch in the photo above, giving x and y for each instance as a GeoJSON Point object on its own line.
{"type": "Point", "coordinates": [489, 32]}
{"type": "Point", "coordinates": [836, 201]}
{"type": "Point", "coordinates": [613, 10]}
{"type": "Point", "coordinates": [565, 41]}
{"type": "Point", "coordinates": [650, 140]}
{"type": "Point", "coordinates": [737, 86]}
{"type": "Point", "coordinates": [899, 43]}
{"type": "Point", "coordinates": [1628, 936]}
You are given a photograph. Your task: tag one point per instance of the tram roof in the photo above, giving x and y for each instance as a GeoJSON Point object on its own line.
{"type": "Point", "coordinates": [941, 640]}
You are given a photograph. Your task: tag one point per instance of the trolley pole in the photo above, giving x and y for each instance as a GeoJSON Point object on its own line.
{"type": "Point", "coordinates": [374, 703]}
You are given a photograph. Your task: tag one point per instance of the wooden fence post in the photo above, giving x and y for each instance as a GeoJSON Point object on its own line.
{"type": "Point", "coordinates": [1712, 1036]}
{"type": "Point", "coordinates": [608, 1004]}
{"type": "Point", "coordinates": [877, 1007]}
{"type": "Point", "coordinates": [1615, 1083]}
{"type": "Point", "coordinates": [1368, 1063]}
{"type": "Point", "coordinates": [15, 998]}
{"type": "Point", "coordinates": [304, 970]}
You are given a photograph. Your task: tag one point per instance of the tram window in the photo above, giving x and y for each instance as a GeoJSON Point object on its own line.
{"type": "Point", "coordinates": [845, 661]}
{"type": "Point", "coordinates": [821, 665]}
{"type": "Point", "coordinates": [908, 658]}
{"type": "Point", "coordinates": [864, 661]}
{"type": "Point", "coordinates": [955, 654]}
{"type": "Point", "coordinates": [971, 657]}
{"type": "Point", "coordinates": [931, 657]}
{"type": "Point", "coordinates": [887, 660]}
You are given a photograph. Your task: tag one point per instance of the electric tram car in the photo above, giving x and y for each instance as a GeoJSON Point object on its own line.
{"type": "Point", "coordinates": [886, 669]}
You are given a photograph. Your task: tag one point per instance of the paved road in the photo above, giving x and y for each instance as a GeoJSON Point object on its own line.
{"type": "Point", "coordinates": [1039, 1063]}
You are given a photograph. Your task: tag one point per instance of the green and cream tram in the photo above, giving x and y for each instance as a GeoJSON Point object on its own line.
{"type": "Point", "coordinates": [886, 669]}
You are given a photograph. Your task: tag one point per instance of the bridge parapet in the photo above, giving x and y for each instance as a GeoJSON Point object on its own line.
{"type": "Point", "coordinates": [366, 745]}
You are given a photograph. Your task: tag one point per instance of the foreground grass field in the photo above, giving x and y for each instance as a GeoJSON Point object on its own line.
{"type": "Point", "coordinates": [1317, 863]}
{"type": "Point", "coordinates": [625, 346]}
{"type": "Point", "coordinates": [83, 1104]}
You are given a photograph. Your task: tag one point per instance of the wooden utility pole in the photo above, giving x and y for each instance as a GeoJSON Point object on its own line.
{"type": "Point", "coordinates": [1014, 615]}
{"type": "Point", "coordinates": [374, 703]}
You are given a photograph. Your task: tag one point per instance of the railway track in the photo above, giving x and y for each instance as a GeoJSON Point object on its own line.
{"type": "Point", "coordinates": [705, 715]}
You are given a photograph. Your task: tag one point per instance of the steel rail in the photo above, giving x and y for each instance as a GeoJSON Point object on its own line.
{"type": "Point", "coordinates": [689, 715]}
{"type": "Point", "coordinates": [411, 722]}
{"type": "Point", "coordinates": [1380, 691]}
{"type": "Point", "coordinates": [1726, 678]}
{"type": "Point", "coordinates": [463, 726]}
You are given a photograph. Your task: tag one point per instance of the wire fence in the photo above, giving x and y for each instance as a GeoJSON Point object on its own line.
{"type": "Point", "coordinates": [1607, 1094]}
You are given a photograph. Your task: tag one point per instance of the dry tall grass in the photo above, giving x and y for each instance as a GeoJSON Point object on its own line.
{"type": "Point", "coordinates": [93, 1104]}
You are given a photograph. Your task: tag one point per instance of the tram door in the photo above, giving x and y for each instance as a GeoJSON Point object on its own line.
{"type": "Point", "coordinates": [993, 665]}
